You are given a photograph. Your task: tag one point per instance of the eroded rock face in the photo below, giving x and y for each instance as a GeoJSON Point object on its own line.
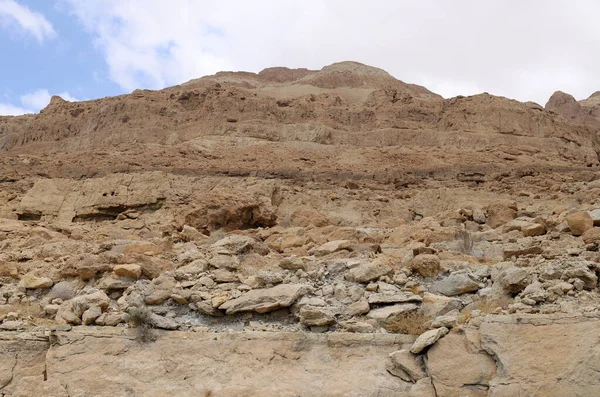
{"type": "Point", "coordinates": [331, 201]}
{"type": "Point", "coordinates": [265, 300]}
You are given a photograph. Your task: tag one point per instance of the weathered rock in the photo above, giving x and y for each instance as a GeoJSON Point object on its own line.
{"type": "Point", "coordinates": [501, 212]}
{"type": "Point", "coordinates": [595, 214]}
{"type": "Point", "coordinates": [591, 236]}
{"type": "Point", "coordinates": [366, 272]}
{"type": "Point", "coordinates": [513, 279]}
{"type": "Point", "coordinates": [265, 300]}
{"type": "Point", "coordinates": [332, 246]}
{"type": "Point", "coordinates": [458, 370]}
{"type": "Point", "coordinates": [579, 222]}
{"type": "Point", "coordinates": [426, 265]}
{"type": "Point", "coordinates": [358, 308]}
{"type": "Point", "coordinates": [31, 281]}
{"type": "Point", "coordinates": [406, 366]}
{"type": "Point", "coordinates": [90, 315]}
{"type": "Point", "coordinates": [238, 244]}
{"type": "Point", "coordinates": [316, 316]}
{"type": "Point", "coordinates": [160, 290]}
{"type": "Point", "coordinates": [455, 284]}
{"type": "Point", "coordinates": [390, 313]}
{"type": "Point", "coordinates": [129, 270]}
{"type": "Point", "coordinates": [191, 270]}
{"type": "Point", "coordinates": [427, 339]}
{"type": "Point", "coordinates": [72, 310]}
{"type": "Point", "coordinates": [162, 322]}
{"type": "Point", "coordinates": [400, 297]}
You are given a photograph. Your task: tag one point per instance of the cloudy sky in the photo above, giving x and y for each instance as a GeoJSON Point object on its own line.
{"type": "Point", "coordinates": [85, 49]}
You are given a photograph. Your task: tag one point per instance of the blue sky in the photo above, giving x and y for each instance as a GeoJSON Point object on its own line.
{"type": "Point", "coordinates": [36, 65]}
{"type": "Point", "coordinates": [86, 49]}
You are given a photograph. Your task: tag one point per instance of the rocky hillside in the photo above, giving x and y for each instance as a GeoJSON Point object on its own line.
{"type": "Point", "coordinates": [196, 239]}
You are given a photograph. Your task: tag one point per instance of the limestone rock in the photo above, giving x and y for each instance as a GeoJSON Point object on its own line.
{"type": "Point", "coordinates": [426, 265]}
{"type": "Point", "coordinates": [332, 246]}
{"type": "Point", "coordinates": [316, 316]}
{"type": "Point", "coordinates": [31, 281]}
{"type": "Point", "coordinates": [500, 213]}
{"type": "Point", "coordinates": [265, 300]}
{"type": "Point", "coordinates": [455, 284]}
{"type": "Point", "coordinates": [427, 339]}
{"type": "Point", "coordinates": [579, 222]}
{"type": "Point", "coordinates": [366, 272]}
{"type": "Point", "coordinates": [591, 236]}
{"type": "Point", "coordinates": [238, 244]}
{"type": "Point", "coordinates": [390, 313]}
{"type": "Point", "coordinates": [456, 369]}
{"type": "Point", "coordinates": [406, 366]}
{"type": "Point", "coordinates": [90, 315]}
{"type": "Point", "coordinates": [129, 270]}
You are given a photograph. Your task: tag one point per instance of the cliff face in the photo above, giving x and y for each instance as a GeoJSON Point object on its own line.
{"type": "Point", "coordinates": [300, 233]}
{"type": "Point", "coordinates": [497, 356]}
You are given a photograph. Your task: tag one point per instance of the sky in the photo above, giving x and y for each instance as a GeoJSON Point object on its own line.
{"type": "Point", "coordinates": [87, 49]}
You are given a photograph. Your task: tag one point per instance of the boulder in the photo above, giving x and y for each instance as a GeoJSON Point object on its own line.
{"type": "Point", "coordinates": [500, 213]}
{"type": "Point", "coordinates": [399, 297]}
{"type": "Point", "coordinates": [513, 279]}
{"type": "Point", "coordinates": [129, 270]}
{"type": "Point", "coordinates": [90, 315]}
{"type": "Point", "coordinates": [591, 236]}
{"type": "Point", "coordinates": [366, 272]}
{"type": "Point", "coordinates": [455, 284]}
{"type": "Point", "coordinates": [265, 300]}
{"type": "Point", "coordinates": [390, 313]}
{"type": "Point", "coordinates": [426, 265]}
{"type": "Point", "coordinates": [406, 366]}
{"type": "Point", "coordinates": [457, 370]}
{"type": "Point", "coordinates": [332, 246]}
{"type": "Point", "coordinates": [579, 222]}
{"type": "Point", "coordinates": [357, 308]}
{"type": "Point", "coordinates": [31, 281]}
{"type": "Point", "coordinates": [427, 339]}
{"type": "Point", "coordinates": [316, 316]}
{"type": "Point", "coordinates": [595, 214]}
{"type": "Point", "coordinates": [238, 244]}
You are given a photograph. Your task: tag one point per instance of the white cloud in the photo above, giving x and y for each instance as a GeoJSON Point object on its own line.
{"type": "Point", "coordinates": [7, 109]}
{"type": "Point", "coordinates": [41, 98]}
{"type": "Point", "coordinates": [515, 48]}
{"type": "Point", "coordinates": [32, 102]}
{"type": "Point", "coordinates": [34, 23]}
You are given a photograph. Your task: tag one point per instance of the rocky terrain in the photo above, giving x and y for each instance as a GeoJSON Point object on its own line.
{"type": "Point", "coordinates": [301, 233]}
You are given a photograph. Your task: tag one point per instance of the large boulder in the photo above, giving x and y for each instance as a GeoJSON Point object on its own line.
{"type": "Point", "coordinates": [579, 222]}
{"type": "Point", "coordinates": [501, 212]}
{"type": "Point", "coordinates": [265, 300]}
{"type": "Point", "coordinates": [427, 265]}
{"type": "Point", "coordinates": [455, 284]}
{"type": "Point", "coordinates": [366, 272]}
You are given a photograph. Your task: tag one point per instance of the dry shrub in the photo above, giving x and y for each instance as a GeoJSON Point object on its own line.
{"type": "Point", "coordinates": [139, 318]}
{"type": "Point", "coordinates": [413, 323]}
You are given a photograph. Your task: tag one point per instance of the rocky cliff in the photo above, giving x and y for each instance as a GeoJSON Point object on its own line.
{"type": "Point", "coordinates": [300, 233]}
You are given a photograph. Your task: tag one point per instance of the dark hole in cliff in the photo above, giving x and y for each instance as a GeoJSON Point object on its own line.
{"type": "Point", "coordinates": [29, 216]}
{"type": "Point", "coordinates": [111, 213]}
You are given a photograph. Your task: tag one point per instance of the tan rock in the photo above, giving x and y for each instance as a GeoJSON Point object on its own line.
{"type": "Point", "coordinates": [406, 366]}
{"type": "Point", "coordinates": [130, 270]}
{"type": "Point", "coordinates": [366, 272]}
{"type": "Point", "coordinates": [501, 212]}
{"type": "Point", "coordinates": [265, 300]}
{"type": "Point", "coordinates": [579, 222]}
{"type": "Point", "coordinates": [427, 339]}
{"type": "Point", "coordinates": [31, 281]}
{"type": "Point", "coordinates": [426, 265]}
{"type": "Point", "coordinates": [591, 235]}
{"type": "Point", "coordinates": [457, 369]}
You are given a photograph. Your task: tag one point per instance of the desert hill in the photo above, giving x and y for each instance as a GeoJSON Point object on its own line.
{"type": "Point", "coordinates": [351, 233]}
